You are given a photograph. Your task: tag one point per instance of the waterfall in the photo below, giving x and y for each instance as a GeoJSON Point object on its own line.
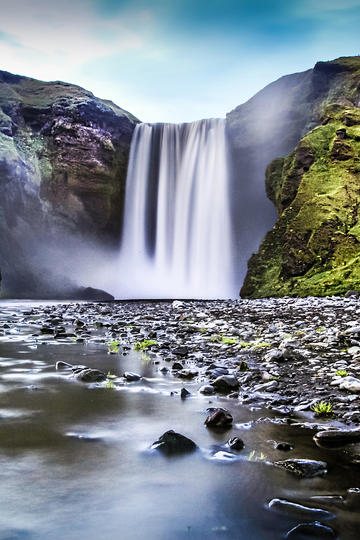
{"type": "Point", "coordinates": [177, 233]}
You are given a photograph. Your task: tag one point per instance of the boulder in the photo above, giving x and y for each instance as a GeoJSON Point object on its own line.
{"type": "Point", "coordinates": [89, 375]}
{"type": "Point", "coordinates": [226, 383]}
{"type": "Point", "coordinates": [218, 418]}
{"type": "Point", "coordinates": [338, 437]}
{"type": "Point", "coordinates": [303, 468]}
{"type": "Point", "coordinates": [172, 443]}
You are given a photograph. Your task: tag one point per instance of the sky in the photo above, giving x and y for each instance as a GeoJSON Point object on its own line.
{"type": "Point", "coordinates": [174, 60]}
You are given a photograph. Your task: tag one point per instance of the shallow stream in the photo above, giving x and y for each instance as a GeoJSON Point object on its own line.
{"type": "Point", "coordinates": [76, 462]}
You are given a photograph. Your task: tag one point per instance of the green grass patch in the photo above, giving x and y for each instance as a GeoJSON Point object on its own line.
{"type": "Point", "coordinates": [145, 344]}
{"type": "Point", "coordinates": [113, 347]}
{"type": "Point", "coordinates": [322, 408]}
{"type": "Point", "coordinates": [341, 373]}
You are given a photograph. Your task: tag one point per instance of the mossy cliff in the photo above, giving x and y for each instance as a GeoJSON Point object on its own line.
{"type": "Point", "coordinates": [270, 125]}
{"type": "Point", "coordinates": [63, 160]}
{"type": "Point", "coordinates": [314, 247]}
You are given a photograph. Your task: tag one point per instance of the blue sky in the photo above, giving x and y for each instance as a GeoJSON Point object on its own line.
{"type": "Point", "coordinates": [174, 60]}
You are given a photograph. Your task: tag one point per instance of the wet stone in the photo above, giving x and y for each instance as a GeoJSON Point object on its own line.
{"type": "Point", "coordinates": [338, 437]}
{"type": "Point", "coordinates": [311, 531]}
{"type": "Point", "coordinates": [184, 393]}
{"type": "Point", "coordinates": [172, 443]}
{"type": "Point", "coordinates": [303, 468]}
{"type": "Point", "coordinates": [236, 444]}
{"type": "Point", "coordinates": [207, 389]}
{"type": "Point", "coordinates": [226, 383]}
{"type": "Point", "coordinates": [283, 446]}
{"type": "Point", "coordinates": [218, 418]}
{"type": "Point", "coordinates": [131, 377]}
{"type": "Point", "coordinates": [90, 375]}
{"type": "Point", "coordinates": [298, 510]}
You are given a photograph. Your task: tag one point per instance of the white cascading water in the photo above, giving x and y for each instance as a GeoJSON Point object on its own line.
{"type": "Point", "coordinates": [177, 234]}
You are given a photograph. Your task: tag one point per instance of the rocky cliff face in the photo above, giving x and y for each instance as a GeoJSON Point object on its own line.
{"type": "Point", "coordinates": [63, 160]}
{"type": "Point", "coordinates": [270, 126]}
{"type": "Point", "coordinates": [314, 247]}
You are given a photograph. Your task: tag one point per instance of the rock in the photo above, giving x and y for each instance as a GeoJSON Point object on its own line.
{"type": "Point", "coordinates": [266, 387]}
{"type": "Point", "coordinates": [187, 373]}
{"type": "Point", "coordinates": [312, 531]}
{"type": "Point", "coordinates": [352, 294]}
{"type": "Point", "coordinates": [338, 437]}
{"type": "Point", "coordinates": [303, 468]}
{"type": "Point", "coordinates": [63, 365]}
{"type": "Point", "coordinates": [352, 384]}
{"type": "Point", "coordinates": [177, 365]}
{"type": "Point", "coordinates": [207, 389]}
{"type": "Point", "coordinates": [172, 443]}
{"type": "Point", "coordinates": [226, 383]}
{"type": "Point", "coordinates": [218, 418]}
{"type": "Point", "coordinates": [283, 446]}
{"type": "Point", "coordinates": [352, 500]}
{"type": "Point", "coordinates": [90, 375]}
{"type": "Point", "coordinates": [184, 393]}
{"type": "Point", "coordinates": [89, 293]}
{"type": "Point", "coordinates": [236, 443]}
{"type": "Point", "coordinates": [180, 351]}
{"type": "Point", "coordinates": [297, 510]}
{"type": "Point", "coordinates": [275, 355]}
{"type": "Point", "coordinates": [131, 377]}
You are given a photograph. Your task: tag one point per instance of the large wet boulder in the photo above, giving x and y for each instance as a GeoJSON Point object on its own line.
{"type": "Point", "coordinates": [218, 418]}
{"type": "Point", "coordinates": [337, 437]}
{"type": "Point", "coordinates": [310, 531]}
{"type": "Point", "coordinates": [172, 443]}
{"type": "Point", "coordinates": [89, 375]}
{"type": "Point", "coordinates": [303, 468]}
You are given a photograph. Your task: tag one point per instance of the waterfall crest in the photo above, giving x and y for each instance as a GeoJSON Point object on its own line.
{"type": "Point", "coordinates": [177, 234]}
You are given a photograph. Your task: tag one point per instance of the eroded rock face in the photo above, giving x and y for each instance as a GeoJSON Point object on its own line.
{"type": "Point", "coordinates": [314, 247]}
{"type": "Point", "coordinates": [63, 160]}
{"type": "Point", "coordinates": [269, 126]}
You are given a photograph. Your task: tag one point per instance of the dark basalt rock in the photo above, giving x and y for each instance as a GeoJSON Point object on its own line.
{"type": "Point", "coordinates": [236, 444]}
{"type": "Point", "coordinates": [218, 418]}
{"type": "Point", "coordinates": [90, 375]}
{"type": "Point", "coordinates": [172, 443]}
{"type": "Point", "coordinates": [338, 437]}
{"type": "Point", "coordinates": [303, 468]}
{"type": "Point", "coordinates": [283, 446]}
{"type": "Point", "coordinates": [131, 377]}
{"type": "Point", "coordinates": [311, 531]}
{"type": "Point", "coordinates": [184, 393]}
{"type": "Point", "coordinates": [180, 351]}
{"type": "Point", "coordinates": [91, 294]}
{"type": "Point", "coordinates": [298, 510]}
{"type": "Point", "coordinates": [226, 383]}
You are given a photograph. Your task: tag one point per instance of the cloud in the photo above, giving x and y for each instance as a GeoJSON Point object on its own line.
{"type": "Point", "coordinates": [67, 33]}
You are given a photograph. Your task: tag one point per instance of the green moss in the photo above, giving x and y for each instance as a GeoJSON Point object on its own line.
{"type": "Point", "coordinates": [314, 248]}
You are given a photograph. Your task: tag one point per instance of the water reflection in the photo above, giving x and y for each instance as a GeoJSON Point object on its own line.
{"type": "Point", "coordinates": [76, 464]}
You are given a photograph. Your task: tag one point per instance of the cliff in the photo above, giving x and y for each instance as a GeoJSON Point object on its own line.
{"type": "Point", "coordinates": [269, 126]}
{"type": "Point", "coordinates": [314, 247]}
{"type": "Point", "coordinates": [63, 160]}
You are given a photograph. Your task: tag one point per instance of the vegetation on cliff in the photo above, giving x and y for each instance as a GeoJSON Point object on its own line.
{"type": "Point", "coordinates": [314, 247]}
